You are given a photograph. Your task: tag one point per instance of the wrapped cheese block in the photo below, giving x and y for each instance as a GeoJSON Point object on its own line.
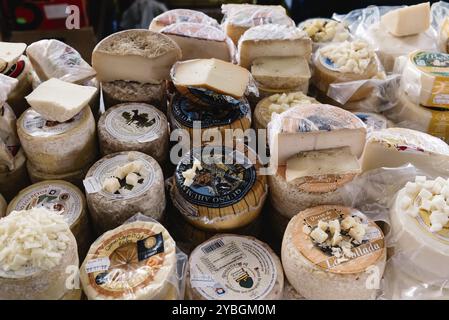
{"type": "Point", "coordinates": [181, 15]}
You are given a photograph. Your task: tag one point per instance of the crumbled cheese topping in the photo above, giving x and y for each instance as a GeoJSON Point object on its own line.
{"type": "Point", "coordinates": [130, 173]}
{"type": "Point", "coordinates": [189, 175]}
{"type": "Point", "coordinates": [349, 57]}
{"type": "Point", "coordinates": [325, 30]}
{"type": "Point", "coordinates": [36, 238]}
{"type": "Point", "coordinates": [283, 102]}
{"type": "Point", "coordinates": [429, 196]}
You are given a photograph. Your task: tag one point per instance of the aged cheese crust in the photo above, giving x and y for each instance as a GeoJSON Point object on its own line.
{"type": "Point", "coordinates": [3, 206]}
{"type": "Point", "coordinates": [11, 182]}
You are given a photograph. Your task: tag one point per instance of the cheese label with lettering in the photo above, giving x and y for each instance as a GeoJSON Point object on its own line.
{"type": "Point", "coordinates": [35, 125]}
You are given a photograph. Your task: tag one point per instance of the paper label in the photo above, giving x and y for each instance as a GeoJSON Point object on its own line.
{"type": "Point", "coordinates": [35, 125]}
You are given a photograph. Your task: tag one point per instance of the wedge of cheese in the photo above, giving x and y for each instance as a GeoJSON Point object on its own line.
{"type": "Point", "coordinates": [281, 73]}
{"type": "Point", "coordinates": [199, 41]}
{"type": "Point", "coordinates": [213, 74]}
{"type": "Point", "coordinates": [272, 40]}
{"type": "Point", "coordinates": [136, 55]}
{"type": "Point", "coordinates": [60, 101]}
{"type": "Point", "coordinates": [407, 21]}
{"type": "Point", "coordinates": [9, 54]}
{"type": "Point", "coordinates": [314, 127]}
{"type": "Point", "coordinates": [181, 15]}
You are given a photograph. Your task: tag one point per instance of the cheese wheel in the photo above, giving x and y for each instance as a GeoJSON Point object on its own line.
{"type": "Point", "coordinates": [318, 274]}
{"type": "Point", "coordinates": [232, 267]}
{"type": "Point", "coordinates": [134, 127]}
{"type": "Point", "coordinates": [136, 261]}
{"type": "Point", "coordinates": [290, 293]}
{"type": "Point", "coordinates": [3, 206]}
{"type": "Point", "coordinates": [12, 181]}
{"type": "Point", "coordinates": [182, 113]}
{"type": "Point", "coordinates": [227, 193]}
{"type": "Point", "coordinates": [54, 147]}
{"type": "Point", "coordinates": [109, 210]}
{"type": "Point", "coordinates": [181, 15]}
{"type": "Point", "coordinates": [75, 177]}
{"type": "Point", "coordinates": [30, 281]}
{"type": "Point", "coordinates": [21, 71]}
{"type": "Point", "coordinates": [75, 294]}
{"type": "Point", "coordinates": [119, 91]}
{"type": "Point", "coordinates": [60, 197]}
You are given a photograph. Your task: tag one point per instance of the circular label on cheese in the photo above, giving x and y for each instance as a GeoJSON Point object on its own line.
{"type": "Point", "coordinates": [328, 63]}
{"type": "Point", "coordinates": [17, 69]}
{"type": "Point", "coordinates": [55, 196]}
{"type": "Point", "coordinates": [35, 125]}
{"type": "Point", "coordinates": [133, 122]}
{"type": "Point", "coordinates": [362, 255]}
{"type": "Point", "coordinates": [186, 112]}
{"type": "Point", "coordinates": [436, 63]}
{"type": "Point", "coordinates": [225, 178]}
{"type": "Point", "coordinates": [232, 268]}
{"type": "Point", "coordinates": [126, 262]}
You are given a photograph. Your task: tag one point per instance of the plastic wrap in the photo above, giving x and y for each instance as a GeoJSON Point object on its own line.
{"type": "Point", "coordinates": [182, 15]}
{"type": "Point", "coordinates": [323, 31]}
{"type": "Point", "coordinates": [440, 22]}
{"type": "Point", "coordinates": [138, 260]}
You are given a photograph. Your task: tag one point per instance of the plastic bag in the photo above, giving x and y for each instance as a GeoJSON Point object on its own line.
{"type": "Point", "coordinates": [182, 15]}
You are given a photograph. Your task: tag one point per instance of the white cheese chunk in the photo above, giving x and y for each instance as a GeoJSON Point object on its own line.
{"type": "Point", "coordinates": [348, 222]}
{"type": "Point", "coordinates": [318, 235]}
{"type": "Point", "coordinates": [111, 185]}
{"type": "Point", "coordinates": [323, 225]}
{"type": "Point", "coordinates": [132, 179]}
{"type": "Point", "coordinates": [407, 21]}
{"type": "Point", "coordinates": [9, 54]}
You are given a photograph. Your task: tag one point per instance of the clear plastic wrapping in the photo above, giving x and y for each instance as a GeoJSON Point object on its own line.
{"type": "Point", "coordinates": [182, 15]}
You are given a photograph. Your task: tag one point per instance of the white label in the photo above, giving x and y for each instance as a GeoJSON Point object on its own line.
{"type": "Point", "coordinates": [98, 265]}
{"type": "Point", "coordinates": [92, 185]}
{"type": "Point", "coordinates": [202, 281]}
{"type": "Point", "coordinates": [55, 11]}
{"type": "Point", "coordinates": [35, 125]}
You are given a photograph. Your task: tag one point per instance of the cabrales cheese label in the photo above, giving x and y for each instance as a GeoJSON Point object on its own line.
{"type": "Point", "coordinates": [232, 268]}
{"type": "Point", "coordinates": [133, 122]}
{"type": "Point", "coordinates": [37, 126]}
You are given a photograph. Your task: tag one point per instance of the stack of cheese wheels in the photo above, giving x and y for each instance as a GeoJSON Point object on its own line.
{"type": "Point", "coordinates": [323, 31]}
{"type": "Point", "coordinates": [232, 267]}
{"type": "Point", "coordinates": [360, 63]}
{"type": "Point", "coordinates": [122, 184]}
{"type": "Point", "coordinates": [134, 126]}
{"type": "Point", "coordinates": [328, 252]}
{"type": "Point", "coordinates": [419, 222]}
{"type": "Point", "coordinates": [63, 198]}
{"type": "Point", "coordinates": [181, 15]}
{"type": "Point", "coordinates": [40, 273]}
{"type": "Point", "coordinates": [136, 261]}
{"type": "Point", "coordinates": [142, 60]}
{"type": "Point", "coordinates": [12, 181]}
{"type": "Point", "coordinates": [219, 189]}
{"type": "Point", "coordinates": [3, 206]}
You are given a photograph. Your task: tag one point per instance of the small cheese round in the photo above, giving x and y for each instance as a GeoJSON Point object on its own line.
{"type": "Point", "coordinates": [109, 210]}
{"type": "Point", "coordinates": [232, 267]}
{"type": "Point", "coordinates": [134, 127]}
{"type": "Point", "coordinates": [12, 181]}
{"type": "Point", "coordinates": [55, 147]}
{"type": "Point", "coordinates": [3, 206]}
{"type": "Point", "coordinates": [317, 273]}
{"type": "Point", "coordinates": [136, 261]}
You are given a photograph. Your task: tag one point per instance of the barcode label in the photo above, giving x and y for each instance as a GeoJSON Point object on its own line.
{"type": "Point", "coordinates": [213, 246]}
{"type": "Point", "coordinates": [98, 265]}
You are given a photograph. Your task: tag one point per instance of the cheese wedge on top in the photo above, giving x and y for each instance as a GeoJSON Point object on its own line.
{"type": "Point", "coordinates": [407, 21]}
{"type": "Point", "coordinates": [9, 54]}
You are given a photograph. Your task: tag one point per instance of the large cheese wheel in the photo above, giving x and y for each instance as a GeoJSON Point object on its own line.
{"type": "Point", "coordinates": [3, 206]}
{"type": "Point", "coordinates": [75, 294]}
{"type": "Point", "coordinates": [134, 127]}
{"type": "Point", "coordinates": [61, 197]}
{"type": "Point", "coordinates": [21, 71]}
{"type": "Point", "coordinates": [110, 210]}
{"type": "Point", "coordinates": [226, 194]}
{"type": "Point", "coordinates": [54, 147]}
{"type": "Point", "coordinates": [31, 282]}
{"type": "Point", "coordinates": [317, 274]}
{"type": "Point", "coordinates": [12, 181]}
{"type": "Point", "coordinates": [231, 267]}
{"type": "Point", "coordinates": [136, 261]}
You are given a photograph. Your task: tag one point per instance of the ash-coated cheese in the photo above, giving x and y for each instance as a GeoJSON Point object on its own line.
{"type": "Point", "coordinates": [407, 21]}
{"type": "Point", "coordinates": [232, 267]}
{"type": "Point", "coordinates": [394, 147]}
{"type": "Point", "coordinates": [3, 206]}
{"type": "Point", "coordinates": [199, 41]}
{"type": "Point", "coordinates": [60, 101]}
{"type": "Point", "coordinates": [12, 181]}
{"type": "Point", "coordinates": [109, 210]}
{"type": "Point", "coordinates": [281, 73]}
{"type": "Point", "coordinates": [58, 148]}
{"type": "Point", "coordinates": [271, 40]}
{"type": "Point", "coordinates": [137, 55]}
{"type": "Point", "coordinates": [181, 15]}
{"type": "Point", "coordinates": [54, 59]}
{"type": "Point", "coordinates": [36, 249]}
{"type": "Point", "coordinates": [135, 261]}
{"type": "Point", "coordinates": [60, 197]}
{"type": "Point", "coordinates": [9, 54]}
{"type": "Point", "coordinates": [120, 91]}
{"type": "Point", "coordinates": [327, 269]}
{"type": "Point", "coordinates": [226, 193]}
{"type": "Point", "coordinates": [134, 127]}
{"type": "Point", "coordinates": [314, 127]}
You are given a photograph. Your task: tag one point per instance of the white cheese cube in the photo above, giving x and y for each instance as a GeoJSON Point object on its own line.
{"type": "Point", "coordinates": [406, 202]}
{"type": "Point", "coordinates": [358, 232]}
{"type": "Point", "coordinates": [111, 185]}
{"type": "Point", "coordinates": [445, 192]}
{"type": "Point", "coordinates": [413, 211]}
{"type": "Point", "coordinates": [437, 186]}
{"type": "Point", "coordinates": [429, 184]}
{"type": "Point", "coordinates": [425, 194]}
{"type": "Point", "coordinates": [438, 217]}
{"type": "Point", "coordinates": [348, 222]}
{"type": "Point", "coordinates": [411, 189]}
{"type": "Point", "coordinates": [420, 179]}
{"type": "Point", "coordinates": [426, 205]}
{"type": "Point", "coordinates": [438, 202]}
{"type": "Point", "coordinates": [132, 179]}
{"type": "Point", "coordinates": [318, 235]}
{"type": "Point", "coordinates": [436, 227]}
{"type": "Point", "coordinates": [323, 225]}
{"type": "Point", "coordinates": [119, 173]}
{"type": "Point", "coordinates": [334, 227]}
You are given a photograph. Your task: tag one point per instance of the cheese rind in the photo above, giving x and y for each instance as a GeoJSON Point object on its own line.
{"type": "Point", "coordinates": [3, 206]}
{"type": "Point", "coordinates": [407, 21]}
{"type": "Point", "coordinates": [9, 54]}
{"type": "Point", "coordinates": [60, 101]}
{"type": "Point", "coordinates": [181, 15]}
{"type": "Point", "coordinates": [138, 55]}
{"type": "Point", "coordinates": [12, 181]}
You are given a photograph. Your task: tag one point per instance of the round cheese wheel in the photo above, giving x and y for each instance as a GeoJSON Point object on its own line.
{"type": "Point", "coordinates": [12, 181]}
{"type": "Point", "coordinates": [73, 295]}
{"type": "Point", "coordinates": [290, 293]}
{"type": "Point", "coordinates": [3, 206]}
{"type": "Point", "coordinates": [121, 91]}
{"type": "Point", "coordinates": [109, 210]}
{"type": "Point", "coordinates": [21, 71]}
{"type": "Point", "coordinates": [134, 127]}
{"type": "Point", "coordinates": [288, 198]}
{"type": "Point", "coordinates": [317, 273]}
{"type": "Point", "coordinates": [232, 267]}
{"type": "Point", "coordinates": [31, 282]}
{"type": "Point", "coordinates": [227, 193]}
{"type": "Point", "coordinates": [61, 197]}
{"type": "Point", "coordinates": [136, 261]}
{"type": "Point", "coordinates": [54, 147]}
{"type": "Point", "coordinates": [182, 113]}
